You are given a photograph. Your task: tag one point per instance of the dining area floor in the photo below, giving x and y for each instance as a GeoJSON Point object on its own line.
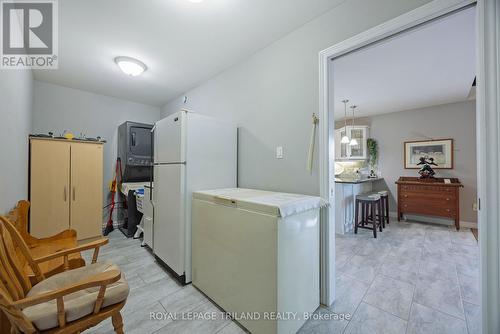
{"type": "Point", "coordinates": [414, 278]}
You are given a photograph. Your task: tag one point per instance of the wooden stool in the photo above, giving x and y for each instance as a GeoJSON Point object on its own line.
{"type": "Point", "coordinates": [384, 198]}
{"type": "Point", "coordinates": [370, 205]}
{"type": "Point", "coordinates": [384, 203]}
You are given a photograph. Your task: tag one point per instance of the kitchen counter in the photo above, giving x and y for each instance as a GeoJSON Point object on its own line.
{"type": "Point", "coordinates": [346, 191]}
{"type": "Point", "coordinates": [356, 181]}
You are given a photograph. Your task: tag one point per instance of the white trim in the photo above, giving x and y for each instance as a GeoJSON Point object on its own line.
{"type": "Point", "coordinates": [465, 224]}
{"type": "Point", "coordinates": [394, 216]}
{"type": "Point", "coordinates": [411, 19]}
{"type": "Point", "coordinates": [327, 250]}
{"type": "Point", "coordinates": [488, 148]}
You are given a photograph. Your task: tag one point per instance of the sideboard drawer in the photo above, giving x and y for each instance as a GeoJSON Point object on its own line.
{"type": "Point", "coordinates": [427, 189]}
{"type": "Point", "coordinates": [429, 198]}
{"type": "Point", "coordinates": [434, 210]}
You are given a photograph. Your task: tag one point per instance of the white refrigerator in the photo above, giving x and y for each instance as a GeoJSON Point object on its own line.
{"type": "Point", "coordinates": [191, 152]}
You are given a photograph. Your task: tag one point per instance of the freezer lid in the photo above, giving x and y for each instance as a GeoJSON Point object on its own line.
{"type": "Point", "coordinates": [267, 202]}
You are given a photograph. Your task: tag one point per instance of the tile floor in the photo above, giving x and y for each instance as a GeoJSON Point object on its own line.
{"type": "Point", "coordinates": [414, 278]}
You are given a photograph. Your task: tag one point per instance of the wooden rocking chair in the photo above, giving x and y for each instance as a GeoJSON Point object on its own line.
{"type": "Point", "coordinates": [69, 302]}
{"type": "Point", "coordinates": [42, 247]}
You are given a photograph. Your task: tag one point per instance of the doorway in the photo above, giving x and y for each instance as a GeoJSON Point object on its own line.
{"type": "Point", "coordinates": [410, 20]}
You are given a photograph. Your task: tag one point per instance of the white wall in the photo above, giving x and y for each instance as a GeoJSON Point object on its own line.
{"type": "Point", "coordinates": [16, 102]}
{"type": "Point", "coordinates": [456, 120]}
{"type": "Point", "coordinates": [58, 108]}
{"type": "Point", "coordinates": [273, 94]}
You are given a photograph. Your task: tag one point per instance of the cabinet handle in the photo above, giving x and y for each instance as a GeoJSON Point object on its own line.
{"type": "Point", "coordinates": [448, 199]}
{"type": "Point", "coordinates": [74, 197]}
{"type": "Point", "coordinates": [447, 210]}
{"type": "Point", "coordinates": [65, 195]}
{"type": "Point", "coordinates": [406, 196]}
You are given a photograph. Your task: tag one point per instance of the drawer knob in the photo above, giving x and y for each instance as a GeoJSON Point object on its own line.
{"type": "Point", "coordinates": [448, 210]}
{"type": "Point", "coordinates": [406, 205]}
{"type": "Point", "coordinates": [448, 199]}
{"type": "Point", "coordinates": [406, 196]}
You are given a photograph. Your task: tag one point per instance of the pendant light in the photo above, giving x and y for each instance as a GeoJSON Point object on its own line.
{"type": "Point", "coordinates": [345, 139]}
{"type": "Point", "coordinates": [353, 141]}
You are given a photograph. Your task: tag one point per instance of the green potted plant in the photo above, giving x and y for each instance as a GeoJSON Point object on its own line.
{"type": "Point", "coordinates": [373, 153]}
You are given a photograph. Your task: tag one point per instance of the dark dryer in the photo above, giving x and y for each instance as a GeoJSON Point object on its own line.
{"type": "Point", "coordinates": [135, 148]}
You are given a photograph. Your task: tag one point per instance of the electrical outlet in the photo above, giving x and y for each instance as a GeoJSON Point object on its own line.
{"type": "Point", "coordinates": [279, 152]}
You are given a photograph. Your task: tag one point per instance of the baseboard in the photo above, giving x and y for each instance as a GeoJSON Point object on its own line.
{"type": "Point", "coordinates": [433, 220]}
{"type": "Point", "coordinates": [468, 224]}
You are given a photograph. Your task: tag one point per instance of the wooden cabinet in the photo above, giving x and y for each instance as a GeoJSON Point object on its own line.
{"type": "Point", "coordinates": [348, 152]}
{"type": "Point", "coordinates": [431, 197]}
{"type": "Point", "coordinates": [66, 180]}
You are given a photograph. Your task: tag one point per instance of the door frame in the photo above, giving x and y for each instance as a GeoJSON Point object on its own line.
{"type": "Point", "coordinates": [488, 129]}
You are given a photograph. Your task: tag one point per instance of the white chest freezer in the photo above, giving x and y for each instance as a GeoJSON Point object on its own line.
{"type": "Point", "coordinates": [256, 254]}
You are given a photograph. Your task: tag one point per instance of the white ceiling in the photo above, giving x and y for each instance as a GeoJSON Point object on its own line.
{"type": "Point", "coordinates": [182, 43]}
{"type": "Point", "coordinates": [431, 65]}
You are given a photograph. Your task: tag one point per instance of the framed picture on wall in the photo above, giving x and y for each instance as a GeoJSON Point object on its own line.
{"type": "Point", "coordinates": [440, 150]}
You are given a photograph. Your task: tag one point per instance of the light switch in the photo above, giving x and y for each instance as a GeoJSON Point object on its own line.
{"type": "Point", "coordinates": [279, 152]}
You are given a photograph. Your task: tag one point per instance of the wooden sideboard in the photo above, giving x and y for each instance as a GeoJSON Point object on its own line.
{"type": "Point", "coordinates": [431, 197]}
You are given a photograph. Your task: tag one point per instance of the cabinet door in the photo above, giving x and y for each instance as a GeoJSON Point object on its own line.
{"type": "Point", "coordinates": [86, 189]}
{"type": "Point", "coordinates": [358, 151]}
{"type": "Point", "coordinates": [49, 187]}
{"type": "Point", "coordinates": [340, 149]}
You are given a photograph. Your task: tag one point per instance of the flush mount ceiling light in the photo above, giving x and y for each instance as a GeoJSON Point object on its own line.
{"type": "Point", "coordinates": [195, 1]}
{"type": "Point", "coordinates": [130, 66]}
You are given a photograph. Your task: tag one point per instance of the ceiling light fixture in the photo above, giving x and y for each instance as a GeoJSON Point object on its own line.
{"type": "Point", "coordinates": [130, 66]}
{"type": "Point", "coordinates": [345, 138]}
{"type": "Point", "coordinates": [195, 1]}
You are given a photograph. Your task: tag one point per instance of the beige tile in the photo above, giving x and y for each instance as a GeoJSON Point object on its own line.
{"type": "Point", "coordinates": [469, 287]}
{"type": "Point", "coordinates": [183, 300]}
{"type": "Point", "coordinates": [424, 320]}
{"type": "Point", "coordinates": [473, 318]}
{"type": "Point", "coordinates": [463, 237]}
{"type": "Point", "coordinates": [441, 295]}
{"type": "Point", "coordinates": [232, 328]}
{"type": "Point", "coordinates": [189, 326]}
{"type": "Point", "coordinates": [371, 320]}
{"type": "Point", "coordinates": [323, 325]}
{"type": "Point", "coordinates": [146, 319]}
{"type": "Point", "coordinates": [390, 295]}
{"type": "Point", "coordinates": [350, 292]}
{"type": "Point", "coordinates": [401, 263]}
{"type": "Point", "coordinates": [440, 269]}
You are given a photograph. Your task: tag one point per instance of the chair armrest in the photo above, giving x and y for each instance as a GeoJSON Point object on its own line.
{"type": "Point", "coordinates": [101, 280]}
{"type": "Point", "coordinates": [66, 234]}
{"type": "Point", "coordinates": [64, 253]}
